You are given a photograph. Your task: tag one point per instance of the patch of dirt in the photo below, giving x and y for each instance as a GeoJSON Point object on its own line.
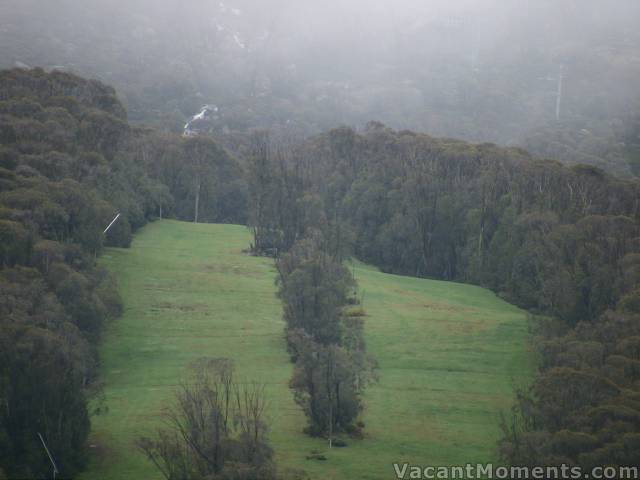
{"type": "Point", "coordinates": [233, 269]}
{"type": "Point", "coordinates": [464, 327]}
{"type": "Point", "coordinates": [181, 308]}
{"type": "Point", "coordinates": [446, 307]}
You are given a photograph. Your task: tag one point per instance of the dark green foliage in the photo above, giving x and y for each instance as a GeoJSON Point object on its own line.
{"type": "Point", "coordinates": [563, 242]}
{"type": "Point", "coordinates": [192, 170]}
{"type": "Point", "coordinates": [264, 193]}
{"type": "Point", "coordinates": [14, 242]}
{"type": "Point", "coordinates": [62, 140]}
{"type": "Point", "coordinates": [42, 391]}
{"type": "Point", "coordinates": [48, 318]}
{"type": "Point", "coordinates": [332, 367]}
{"type": "Point", "coordinates": [548, 238]}
{"type": "Point", "coordinates": [45, 366]}
{"type": "Point", "coordinates": [584, 407]}
{"type": "Point", "coordinates": [69, 162]}
{"type": "Point", "coordinates": [327, 384]}
{"type": "Point", "coordinates": [314, 290]}
{"type": "Point", "coordinates": [68, 143]}
{"type": "Point", "coordinates": [284, 208]}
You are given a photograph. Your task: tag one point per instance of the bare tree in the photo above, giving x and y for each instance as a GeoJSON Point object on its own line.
{"type": "Point", "coordinates": [216, 426]}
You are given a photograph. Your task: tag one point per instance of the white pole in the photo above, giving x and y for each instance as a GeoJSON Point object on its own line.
{"type": "Point", "coordinates": [53, 463]}
{"type": "Point", "coordinates": [112, 222]}
{"type": "Point", "coordinates": [559, 94]}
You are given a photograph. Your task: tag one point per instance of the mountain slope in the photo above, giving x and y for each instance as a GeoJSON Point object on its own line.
{"type": "Point", "coordinates": [447, 352]}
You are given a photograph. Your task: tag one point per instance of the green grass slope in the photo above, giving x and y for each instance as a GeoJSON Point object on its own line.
{"type": "Point", "coordinates": [449, 355]}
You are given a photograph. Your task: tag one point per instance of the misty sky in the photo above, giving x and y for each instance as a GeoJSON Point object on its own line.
{"type": "Point", "coordinates": [476, 69]}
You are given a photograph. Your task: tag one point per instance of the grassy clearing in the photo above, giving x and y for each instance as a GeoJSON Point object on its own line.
{"type": "Point", "coordinates": [449, 355]}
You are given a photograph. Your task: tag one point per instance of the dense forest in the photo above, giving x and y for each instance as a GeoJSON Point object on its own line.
{"type": "Point", "coordinates": [69, 161]}
{"type": "Point", "coordinates": [561, 242]}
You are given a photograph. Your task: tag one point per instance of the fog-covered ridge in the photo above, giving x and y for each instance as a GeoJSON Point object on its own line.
{"type": "Point", "coordinates": [479, 70]}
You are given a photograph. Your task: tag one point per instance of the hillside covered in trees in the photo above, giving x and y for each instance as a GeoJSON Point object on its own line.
{"type": "Point", "coordinates": [69, 161]}
{"type": "Point", "coordinates": [562, 242]}
{"type": "Point", "coordinates": [557, 78]}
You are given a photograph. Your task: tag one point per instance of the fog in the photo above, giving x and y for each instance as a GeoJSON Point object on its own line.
{"type": "Point", "coordinates": [482, 70]}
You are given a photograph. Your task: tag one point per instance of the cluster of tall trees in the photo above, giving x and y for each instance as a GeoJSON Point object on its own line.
{"type": "Point", "coordinates": [216, 428]}
{"type": "Point", "coordinates": [561, 242]}
{"type": "Point", "coordinates": [203, 183]}
{"type": "Point", "coordinates": [584, 406]}
{"type": "Point", "coordinates": [324, 325]}
{"type": "Point", "coordinates": [325, 338]}
{"type": "Point", "coordinates": [69, 161]}
{"type": "Point", "coordinates": [63, 180]}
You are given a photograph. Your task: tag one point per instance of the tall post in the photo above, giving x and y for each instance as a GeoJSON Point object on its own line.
{"type": "Point", "coordinates": [111, 224]}
{"type": "Point", "coordinates": [330, 385]}
{"type": "Point", "coordinates": [195, 216]}
{"type": "Point", "coordinates": [53, 463]}
{"type": "Point", "coordinates": [559, 93]}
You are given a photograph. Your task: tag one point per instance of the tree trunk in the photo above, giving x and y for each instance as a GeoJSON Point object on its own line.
{"type": "Point", "coordinates": [195, 216]}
